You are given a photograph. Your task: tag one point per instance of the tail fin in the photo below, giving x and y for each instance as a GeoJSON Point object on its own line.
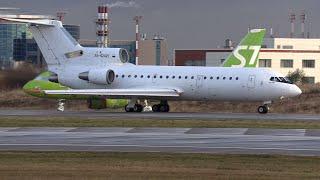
{"type": "Point", "coordinates": [247, 52]}
{"type": "Point", "coordinates": [53, 40]}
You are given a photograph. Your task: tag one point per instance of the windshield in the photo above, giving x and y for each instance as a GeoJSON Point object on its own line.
{"type": "Point", "coordinates": [281, 80]}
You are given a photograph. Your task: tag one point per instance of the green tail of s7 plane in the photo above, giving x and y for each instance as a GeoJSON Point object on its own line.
{"type": "Point", "coordinates": [247, 52]}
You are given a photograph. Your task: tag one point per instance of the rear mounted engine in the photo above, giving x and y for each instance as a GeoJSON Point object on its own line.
{"type": "Point", "coordinates": [98, 76]}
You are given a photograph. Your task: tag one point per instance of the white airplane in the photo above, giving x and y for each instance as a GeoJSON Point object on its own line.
{"type": "Point", "coordinates": [106, 72]}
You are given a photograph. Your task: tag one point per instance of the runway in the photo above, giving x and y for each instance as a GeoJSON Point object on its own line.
{"type": "Point", "coordinates": [301, 142]}
{"type": "Point", "coordinates": [163, 116]}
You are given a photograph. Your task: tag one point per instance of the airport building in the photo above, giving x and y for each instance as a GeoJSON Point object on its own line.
{"type": "Point", "coordinates": [17, 43]}
{"type": "Point", "coordinates": [283, 55]}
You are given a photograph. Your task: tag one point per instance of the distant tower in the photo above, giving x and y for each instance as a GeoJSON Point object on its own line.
{"type": "Point", "coordinates": [61, 15]}
{"type": "Point", "coordinates": [292, 18]}
{"type": "Point", "coordinates": [103, 27]}
{"type": "Point", "coordinates": [271, 33]}
{"type": "Point", "coordinates": [137, 20]}
{"type": "Point", "coordinates": [303, 23]}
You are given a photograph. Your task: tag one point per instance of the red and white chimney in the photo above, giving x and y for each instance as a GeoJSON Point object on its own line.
{"type": "Point", "coordinates": [103, 27]}
{"type": "Point", "coordinates": [137, 20]}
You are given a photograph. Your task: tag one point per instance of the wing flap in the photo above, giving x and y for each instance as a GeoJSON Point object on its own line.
{"type": "Point", "coordinates": [119, 92]}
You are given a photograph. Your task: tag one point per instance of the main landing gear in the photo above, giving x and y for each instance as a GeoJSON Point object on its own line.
{"type": "Point", "coordinates": [133, 106]}
{"type": "Point", "coordinates": [264, 109]}
{"type": "Point", "coordinates": [162, 107]}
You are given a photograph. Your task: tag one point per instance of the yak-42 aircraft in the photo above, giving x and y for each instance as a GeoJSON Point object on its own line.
{"type": "Point", "coordinates": [37, 86]}
{"type": "Point", "coordinates": [107, 73]}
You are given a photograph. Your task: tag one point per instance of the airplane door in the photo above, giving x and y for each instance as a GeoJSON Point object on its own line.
{"type": "Point", "coordinates": [252, 81]}
{"type": "Point", "coordinates": [199, 81]}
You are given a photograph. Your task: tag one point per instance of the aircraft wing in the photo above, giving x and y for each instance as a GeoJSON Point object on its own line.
{"type": "Point", "coordinates": [159, 92]}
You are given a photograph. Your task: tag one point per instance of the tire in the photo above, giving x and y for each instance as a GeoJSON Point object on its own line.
{"type": "Point", "coordinates": [164, 108]}
{"type": "Point", "coordinates": [263, 109]}
{"type": "Point", "coordinates": [156, 108]}
{"type": "Point", "coordinates": [138, 108]}
{"type": "Point", "coordinates": [127, 109]}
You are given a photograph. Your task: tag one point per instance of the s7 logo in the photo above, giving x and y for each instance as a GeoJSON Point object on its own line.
{"type": "Point", "coordinates": [242, 59]}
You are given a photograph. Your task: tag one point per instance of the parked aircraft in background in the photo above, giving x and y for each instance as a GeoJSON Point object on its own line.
{"type": "Point", "coordinates": [107, 73]}
{"type": "Point", "coordinates": [248, 49]}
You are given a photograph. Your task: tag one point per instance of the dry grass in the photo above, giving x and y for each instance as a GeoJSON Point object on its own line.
{"type": "Point", "coordinates": [138, 122]}
{"type": "Point", "coordinates": [16, 78]}
{"type": "Point", "coordinates": [63, 165]}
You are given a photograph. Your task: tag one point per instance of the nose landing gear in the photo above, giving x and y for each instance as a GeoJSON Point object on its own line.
{"type": "Point", "coordinates": [263, 109]}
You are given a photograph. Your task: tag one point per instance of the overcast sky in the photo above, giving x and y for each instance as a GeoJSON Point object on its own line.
{"type": "Point", "coordinates": [185, 23]}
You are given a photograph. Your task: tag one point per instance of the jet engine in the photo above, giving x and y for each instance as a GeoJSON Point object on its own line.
{"type": "Point", "coordinates": [103, 77]}
{"type": "Point", "coordinates": [112, 55]}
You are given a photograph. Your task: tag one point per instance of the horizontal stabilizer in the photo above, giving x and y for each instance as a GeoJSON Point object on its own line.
{"type": "Point", "coordinates": [42, 22]}
{"type": "Point", "coordinates": [119, 92]}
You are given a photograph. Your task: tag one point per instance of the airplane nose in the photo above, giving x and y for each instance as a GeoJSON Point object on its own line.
{"type": "Point", "coordinates": [295, 91]}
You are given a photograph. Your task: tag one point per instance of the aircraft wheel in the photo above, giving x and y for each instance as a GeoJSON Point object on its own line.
{"type": "Point", "coordinates": [138, 108]}
{"type": "Point", "coordinates": [164, 108]}
{"type": "Point", "coordinates": [156, 108]}
{"type": "Point", "coordinates": [128, 109]}
{"type": "Point", "coordinates": [263, 109]}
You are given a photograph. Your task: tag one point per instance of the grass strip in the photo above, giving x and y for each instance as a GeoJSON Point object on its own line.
{"type": "Point", "coordinates": [98, 122]}
{"type": "Point", "coordinates": [85, 165]}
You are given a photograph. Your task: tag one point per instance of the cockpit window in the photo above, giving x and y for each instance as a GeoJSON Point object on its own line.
{"type": "Point", "coordinates": [281, 80]}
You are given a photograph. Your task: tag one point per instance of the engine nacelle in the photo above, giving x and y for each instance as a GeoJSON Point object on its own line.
{"type": "Point", "coordinates": [112, 55]}
{"type": "Point", "coordinates": [103, 77]}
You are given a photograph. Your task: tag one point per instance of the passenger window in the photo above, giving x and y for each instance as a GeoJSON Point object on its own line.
{"type": "Point", "coordinates": [117, 76]}
{"type": "Point", "coordinates": [149, 77]}
{"type": "Point", "coordinates": [167, 77]}
{"type": "Point", "coordinates": [224, 78]}
{"type": "Point", "coordinates": [205, 78]}
{"type": "Point", "coordinates": [230, 78]}
{"type": "Point", "coordinates": [179, 77]}
{"type": "Point", "coordinates": [237, 78]}
{"type": "Point", "coordinates": [173, 77]}
{"type": "Point", "coordinates": [211, 77]}
{"type": "Point", "coordinates": [135, 76]}
{"type": "Point", "coordinates": [192, 77]}
{"type": "Point", "coordinates": [186, 77]}
{"type": "Point", "coordinates": [129, 76]}
{"type": "Point", "coordinates": [123, 76]}
{"type": "Point", "coordinates": [141, 76]}
{"type": "Point", "coordinates": [154, 77]}
{"type": "Point", "coordinates": [218, 78]}
{"type": "Point", "coordinates": [160, 77]}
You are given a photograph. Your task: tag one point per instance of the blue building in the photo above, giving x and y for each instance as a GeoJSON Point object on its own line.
{"type": "Point", "coordinates": [17, 43]}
